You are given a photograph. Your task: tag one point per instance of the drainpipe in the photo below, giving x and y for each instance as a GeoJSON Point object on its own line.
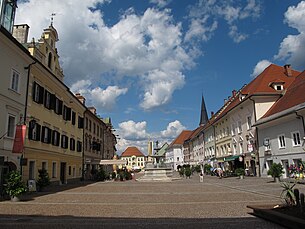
{"type": "Point", "coordinates": [302, 118]}
{"type": "Point", "coordinates": [256, 136]}
{"type": "Point", "coordinates": [27, 90]}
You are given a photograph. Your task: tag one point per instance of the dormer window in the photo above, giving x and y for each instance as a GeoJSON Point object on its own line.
{"type": "Point", "coordinates": [242, 97]}
{"type": "Point", "coordinates": [278, 86]}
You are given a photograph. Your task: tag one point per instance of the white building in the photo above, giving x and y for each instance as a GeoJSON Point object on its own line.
{"type": "Point", "coordinates": [174, 153]}
{"type": "Point", "coordinates": [281, 130]}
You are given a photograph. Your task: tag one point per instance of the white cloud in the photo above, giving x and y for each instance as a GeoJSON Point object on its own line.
{"type": "Point", "coordinates": [103, 99]}
{"type": "Point", "coordinates": [106, 98]}
{"type": "Point", "coordinates": [160, 3]}
{"type": "Point", "coordinates": [133, 133]}
{"type": "Point", "coordinates": [132, 130]}
{"type": "Point", "coordinates": [292, 48]}
{"type": "Point", "coordinates": [206, 14]}
{"type": "Point", "coordinates": [173, 130]}
{"type": "Point", "coordinates": [235, 35]}
{"type": "Point", "coordinates": [260, 67]}
{"type": "Point", "coordinates": [135, 46]}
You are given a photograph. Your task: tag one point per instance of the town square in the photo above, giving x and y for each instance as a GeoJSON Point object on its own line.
{"type": "Point", "coordinates": [152, 114]}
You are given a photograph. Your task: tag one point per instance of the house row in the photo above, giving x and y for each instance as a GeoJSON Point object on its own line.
{"type": "Point", "coordinates": [258, 125]}
{"type": "Point", "coordinates": [44, 125]}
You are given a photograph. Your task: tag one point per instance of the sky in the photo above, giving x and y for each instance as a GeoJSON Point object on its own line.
{"type": "Point", "coordinates": [147, 63]}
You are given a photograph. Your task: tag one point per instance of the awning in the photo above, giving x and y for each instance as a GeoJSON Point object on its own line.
{"type": "Point", "coordinates": [231, 158]}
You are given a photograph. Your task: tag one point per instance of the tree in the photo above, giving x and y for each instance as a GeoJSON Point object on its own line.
{"type": "Point", "coordinates": [43, 179]}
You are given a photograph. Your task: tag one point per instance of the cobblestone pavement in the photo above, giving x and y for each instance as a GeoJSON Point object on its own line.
{"type": "Point", "coordinates": [183, 203]}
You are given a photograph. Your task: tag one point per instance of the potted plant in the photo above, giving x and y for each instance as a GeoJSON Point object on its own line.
{"type": "Point", "coordinates": [276, 171]}
{"type": "Point", "coordinates": [43, 179]}
{"type": "Point", "coordinates": [240, 172]}
{"type": "Point", "coordinates": [288, 193]}
{"type": "Point", "coordinates": [15, 187]}
{"type": "Point", "coordinates": [188, 172]}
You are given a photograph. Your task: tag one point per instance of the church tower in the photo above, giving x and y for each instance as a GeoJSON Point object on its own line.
{"type": "Point", "coordinates": [204, 115]}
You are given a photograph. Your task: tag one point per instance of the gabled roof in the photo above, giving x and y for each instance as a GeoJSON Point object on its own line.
{"type": "Point", "coordinates": [194, 133]}
{"type": "Point", "coordinates": [294, 96]}
{"type": "Point", "coordinates": [132, 151]}
{"type": "Point", "coordinates": [259, 86]}
{"type": "Point", "coordinates": [185, 134]}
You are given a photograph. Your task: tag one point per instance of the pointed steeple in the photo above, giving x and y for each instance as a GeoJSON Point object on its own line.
{"type": "Point", "coordinates": [204, 115]}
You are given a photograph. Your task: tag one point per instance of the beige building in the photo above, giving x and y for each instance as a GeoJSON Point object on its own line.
{"type": "Point", "coordinates": [14, 61]}
{"type": "Point", "coordinates": [54, 116]}
{"type": "Point", "coordinates": [134, 157]}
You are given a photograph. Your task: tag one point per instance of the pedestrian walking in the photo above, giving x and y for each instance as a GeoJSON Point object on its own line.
{"type": "Point", "coordinates": [201, 177]}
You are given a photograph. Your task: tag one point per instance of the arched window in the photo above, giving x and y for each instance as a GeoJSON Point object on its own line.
{"type": "Point", "coordinates": [50, 60]}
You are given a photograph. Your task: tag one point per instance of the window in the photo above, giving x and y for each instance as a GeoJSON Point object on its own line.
{"type": "Point", "coordinates": [38, 93]}
{"type": "Point", "coordinates": [11, 126]}
{"type": "Point", "coordinates": [80, 122]}
{"type": "Point", "coordinates": [44, 165]}
{"type": "Point", "coordinates": [233, 129]}
{"type": "Point", "coordinates": [32, 170]}
{"type": "Point", "coordinates": [296, 141]}
{"type": "Point", "coordinates": [55, 138]}
{"type": "Point", "coordinates": [7, 19]}
{"type": "Point", "coordinates": [94, 128]}
{"type": "Point", "coordinates": [46, 135]}
{"type": "Point", "coordinates": [90, 125]}
{"type": "Point", "coordinates": [239, 128]}
{"type": "Point", "coordinates": [66, 113]}
{"type": "Point", "coordinates": [97, 130]}
{"type": "Point", "coordinates": [79, 146]}
{"type": "Point", "coordinates": [47, 99]}
{"type": "Point", "coordinates": [87, 123]}
{"type": "Point", "coordinates": [15, 80]}
{"type": "Point", "coordinates": [249, 123]}
{"type": "Point", "coordinates": [54, 170]}
{"type": "Point", "coordinates": [64, 141]}
{"type": "Point", "coordinates": [34, 131]}
{"type": "Point", "coordinates": [72, 144]}
{"type": "Point", "coordinates": [69, 170]}
{"type": "Point", "coordinates": [267, 144]}
{"type": "Point", "coordinates": [281, 140]}
{"type": "Point", "coordinates": [58, 106]}
{"type": "Point", "coordinates": [73, 117]}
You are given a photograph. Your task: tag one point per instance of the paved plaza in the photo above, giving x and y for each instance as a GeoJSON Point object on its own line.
{"type": "Point", "coordinates": [184, 203]}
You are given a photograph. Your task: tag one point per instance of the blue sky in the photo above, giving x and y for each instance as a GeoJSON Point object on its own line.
{"type": "Point", "coordinates": [146, 64]}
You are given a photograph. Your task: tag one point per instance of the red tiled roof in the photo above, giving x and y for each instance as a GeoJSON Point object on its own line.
{"type": "Point", "coordinates": [259, 85]}
{"type": "Point", "coordinates": [195, 133]}
{"type": "Point", "coordinates": [132, 151]}
{"type": "Point", "coordinates": [294, 95]}
{"type": "Point", "coordinates": [185, 134]}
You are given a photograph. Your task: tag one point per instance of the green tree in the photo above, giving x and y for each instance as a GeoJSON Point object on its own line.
{"type": "Point", "coordinates": [43, 179]}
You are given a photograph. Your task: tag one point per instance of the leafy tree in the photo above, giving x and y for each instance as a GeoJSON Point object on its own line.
{"type": "Point", "coordinates": [43, 179]}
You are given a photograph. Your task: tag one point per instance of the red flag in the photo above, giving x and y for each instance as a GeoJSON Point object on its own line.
{"type": "Point", "coordinates": [19, 139]}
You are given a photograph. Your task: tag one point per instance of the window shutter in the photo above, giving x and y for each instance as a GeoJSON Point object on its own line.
{"type": "Point", "coordinates": [43, 134]}
{"type": "Point", "coordinates": [49, 135]}
{"type": "Point", "coordinates": [38, 127]}
{"type": "Point", "coordinates": [68, 114]}
{"type": "Point", "coordinates": [41, 94]}
{"type": "Point", "coordinates": [53, 137]}
{"type": "Point", "coordinates": [73, 117]}
{"type": "Point", "coordinates": [60, 107]}
{"type": "Point", "coordinates": [52, 102]}
{"type": "Point", "coordinates": [31, 127]}
{"type": "Point", "coordinates": [80, 122]}
{"type": "Point", "coordinates": [62, 141]}
{"type": "Point", "coordinates": [34, 91]}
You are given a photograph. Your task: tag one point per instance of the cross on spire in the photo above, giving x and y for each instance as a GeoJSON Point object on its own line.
{"type": "Point", "coordinates": [52, 18]}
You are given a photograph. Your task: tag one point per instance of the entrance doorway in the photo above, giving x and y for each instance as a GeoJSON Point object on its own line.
{"type": "Point", "coordinates": [285, 166]}
{"type": "Point", "coordinates": [63, 168]}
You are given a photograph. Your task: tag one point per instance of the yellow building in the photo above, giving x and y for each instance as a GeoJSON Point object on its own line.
{"type": "Point", "coordinates": [134, 157]}
{"type": "Point", "coordinates": [54, 116]}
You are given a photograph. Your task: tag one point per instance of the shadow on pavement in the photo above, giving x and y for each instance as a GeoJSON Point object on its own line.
{"type": "Point", "coordinates": [67, 221]}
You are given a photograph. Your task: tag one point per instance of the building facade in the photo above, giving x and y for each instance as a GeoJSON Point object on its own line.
{"type": "Point", "coordinates": [281, 131]}
{"type": "Point", "coordinates": [54, 117]}
{"type": "Point", "coordinates": [134, 157]}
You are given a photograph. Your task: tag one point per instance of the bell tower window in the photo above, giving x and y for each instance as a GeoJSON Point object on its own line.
{"type": "Point", "coordinates": [50, 60]}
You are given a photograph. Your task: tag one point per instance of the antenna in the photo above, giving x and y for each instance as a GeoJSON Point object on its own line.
{"type": "Point", "coordinates": [52, 18]}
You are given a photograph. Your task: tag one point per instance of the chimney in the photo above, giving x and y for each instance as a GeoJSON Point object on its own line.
{"type": "Point", "coordinates": [288, 71]}
{"type": "Point", "coordinates": [21, 32]}
{"type": "Point", "coordinates": [212, 113]}
{"type": "Point", "coordinates": [92, 109]}
{"type": "Point", "coordinates": [233, 93]}
{"type": "Point", "coordinates": [80, 98]}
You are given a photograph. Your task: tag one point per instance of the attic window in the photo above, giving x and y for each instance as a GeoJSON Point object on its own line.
{"type": "Point", "coordinates": [278, 87]}
{"type": "Point", "coordinates": [241, 97]}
